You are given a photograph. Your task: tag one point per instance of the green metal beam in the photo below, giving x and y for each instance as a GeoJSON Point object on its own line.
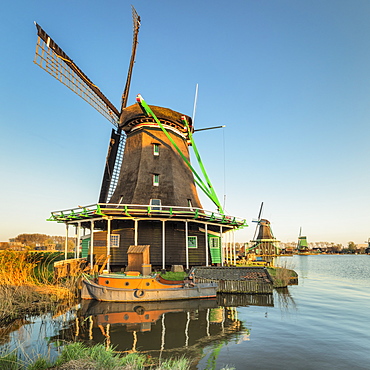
{"type": "Point", "coordinates": [208, 191]}
{"type": "Point", "coordinates": [197, 155]}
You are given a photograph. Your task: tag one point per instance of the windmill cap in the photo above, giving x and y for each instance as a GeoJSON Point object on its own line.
{"type": "Point", "coordinates": [133, 115]}
{"type": "Point", "coordinates": [263, 220]}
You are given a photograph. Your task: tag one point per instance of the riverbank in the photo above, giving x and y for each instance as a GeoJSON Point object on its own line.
{"type": "Point", "coordinates": [77, 356]}
{"type": "Point", "coordinates": [27, 286]}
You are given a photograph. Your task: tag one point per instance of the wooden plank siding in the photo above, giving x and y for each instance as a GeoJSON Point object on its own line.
{"type": "Point", "coordinates": [150, 233]}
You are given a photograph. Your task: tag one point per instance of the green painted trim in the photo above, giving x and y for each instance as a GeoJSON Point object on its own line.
{"type": "Point", "coordinates": [146, 109]}
{"type": "Point", "coordinates": [126, 213]}
{"type": "Point", "coordinates": [197, 155]}
{"type": "Point", "coordinates": [98, 211]}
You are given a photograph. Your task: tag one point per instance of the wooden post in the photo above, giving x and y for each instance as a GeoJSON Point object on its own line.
{"type": "Point", "coordinates": [222, 247]}
{"type": "Point", "coordinates": [187, 245]}
{"type": "Point", "coordinates": [91, 245]}
{"type": "Point", "coordinates": [136, 232]}
{"type": "Point", "coordinates": [206, 242]}
{"type": "Point", "coordinates": [163, 244]}
{"type": "Point", "coordinates": [226, 248]}
{"type": "Point", "coordinates": [66, 243]}
{"type": "Point", "coordinates": [77, 239]}
{"type": "Point", "coordinates": [108, 243]}
{"type": "Point", "coordinates": [234, 248]}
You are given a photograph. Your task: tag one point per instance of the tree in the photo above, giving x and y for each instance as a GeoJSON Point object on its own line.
{"type": "Point", "coordinates": [352, 247]}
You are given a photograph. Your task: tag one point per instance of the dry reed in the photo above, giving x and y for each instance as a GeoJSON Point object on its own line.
{"type": "Point", "coordinates": [26, 286]}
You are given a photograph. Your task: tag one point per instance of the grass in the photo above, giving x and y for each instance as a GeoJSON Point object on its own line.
{"type": "Point", "coordinates": [169, 275]}
{"type": "Point", "coordinates": [281, 275]}
{"type": "Point", "coordinates": [77, 356]}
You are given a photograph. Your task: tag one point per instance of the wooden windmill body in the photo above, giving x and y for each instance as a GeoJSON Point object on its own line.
{"type": "Point", "coordinates": [265, 243]}
{"type": "Point", "coordinates": [148, 194]}
{"type": "Point", "coordinates": [152, 168]}
{"type": "Point", "coordinates": [302, 245]}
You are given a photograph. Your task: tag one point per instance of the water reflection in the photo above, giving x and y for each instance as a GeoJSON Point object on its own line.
{"type": "Point", "coordinates": [5, 332]}
{"type": "Point", "coordinates": [163, 329]}
{"type": "Point", "coordinates": [158, 326]}
{"type": "Point", "coordinates": [286, 301]}
{"type": "Point", "coordinates": [198, 329]}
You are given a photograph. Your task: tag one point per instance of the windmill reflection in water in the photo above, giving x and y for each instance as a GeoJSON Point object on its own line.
{"type": "Point", "coordinates": [163, 326]}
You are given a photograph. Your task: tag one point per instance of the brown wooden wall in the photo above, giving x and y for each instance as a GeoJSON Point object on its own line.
{"type": "Point", "coordinates": [150, 233]}
{"type": "Point", "coordinates": [176, 181]}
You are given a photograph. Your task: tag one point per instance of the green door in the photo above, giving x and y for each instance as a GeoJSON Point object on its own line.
{"type": "Point", "coordinates": [214, 243]}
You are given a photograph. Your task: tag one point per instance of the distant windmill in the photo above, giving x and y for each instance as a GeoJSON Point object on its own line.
{"type": "Point", "coordinates": [302, 245]}
{"type": "Point", "coordinates": [265, 243]}
{"type": "Point", "coordinates": [148, 178]}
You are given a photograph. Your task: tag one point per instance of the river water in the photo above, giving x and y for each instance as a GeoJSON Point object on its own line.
{"type": "Point", "coordinates": [321, 323]}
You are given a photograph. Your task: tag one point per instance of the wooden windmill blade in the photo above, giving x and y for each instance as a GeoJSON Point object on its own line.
{"type": "Point", "coordinates": [136, 26]}
{"type": "Point", "coordinates": [50, 57]}
{"type": "Point", "coordinates": [118, 139]}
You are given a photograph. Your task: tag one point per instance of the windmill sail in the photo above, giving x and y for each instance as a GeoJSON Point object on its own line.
{"type": "Point", "coordinates": [136, 24]}
{"type": "Point", "coordinates": [112, 165]}
{"type": "Point", "coordinates": [115, 152]}
{"type": "Point", "coordinates": [50, 57]}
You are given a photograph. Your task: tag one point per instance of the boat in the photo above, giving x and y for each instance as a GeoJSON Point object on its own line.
{"type": "Point", "coordinates": [128, 287]}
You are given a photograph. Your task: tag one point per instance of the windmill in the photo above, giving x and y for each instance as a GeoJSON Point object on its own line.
{"type": "Point", "coordinates": [265, 243]}
{"type": "Point", "coordinates": [302, 245]}
{"type": "Point", "coordinates": [148, 178]}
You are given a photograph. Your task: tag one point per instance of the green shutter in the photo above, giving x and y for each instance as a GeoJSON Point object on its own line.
{"type": "Point", "coordinates": [85, 247]}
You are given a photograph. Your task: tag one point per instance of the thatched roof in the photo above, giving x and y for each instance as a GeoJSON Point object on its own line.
{"type": "Point", "coordinates": [134, 113]}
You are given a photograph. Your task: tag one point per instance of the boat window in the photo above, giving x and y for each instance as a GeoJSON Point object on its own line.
{"type": "Point", "coordinates": [192, 242]}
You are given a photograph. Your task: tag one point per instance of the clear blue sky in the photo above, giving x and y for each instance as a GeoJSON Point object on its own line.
{"type": "Point", "coordinates": [289, 79]}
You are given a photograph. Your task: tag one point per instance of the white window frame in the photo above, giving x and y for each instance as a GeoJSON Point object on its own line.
{"type": "Point", "coordinates": [212, 244]}
{"type": "Point", "coordinates": [193, 245]}
{"type": "Point", "coordinates": [155, 207]}
{"type": "Point", "coordinates": [155, 179]}
{"type": "Point", "coordinates": [155, 149]}
{"type": "Point", "coordinates": [114, 240]}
